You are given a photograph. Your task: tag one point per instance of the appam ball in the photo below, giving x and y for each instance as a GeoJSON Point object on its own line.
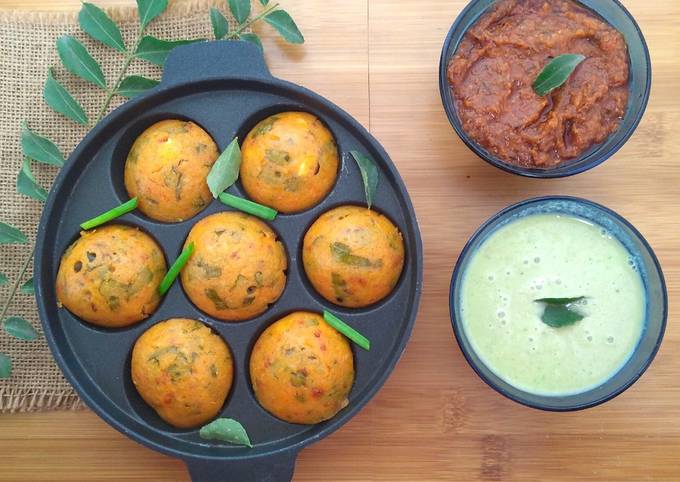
{"type": "Point", "coordinates": [110, 276]}
{"type": "Point", "coordinates": [183, 370]}
{"type": "Point", "coordinates": [238, 267]}
{"type": "Point", "coordinates": [167, 168]}
{"type": "Point", "coordinates": [302, 369]}
{"type": "Point", "coordinates": [289, 162]}
{"type": "Point", "coordinates": [353, 256]}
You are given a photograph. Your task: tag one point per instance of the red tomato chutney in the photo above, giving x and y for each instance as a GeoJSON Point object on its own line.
{"type": "Point", "coordinates": [492, 72]}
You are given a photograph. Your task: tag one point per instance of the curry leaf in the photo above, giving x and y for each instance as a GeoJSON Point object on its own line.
{"type": "Point", "coordinates": [133, 85]}
{"type": "Point", "coordinates": [78, 61]}
{"type": "Point", "coordinates": [253, 39]}
{"type": "Point", "coordinates": [226, 430]}
{"type": "Point", "coordinates": [220, 25]}
{"type": "Point", "coordinates": [11, 235]}
{"type": "Point", "coordinates": [156, 50]}
{"type": "Point", "coordinates": [61, 101]}
{"type": "Point", "coordinates": [39, 148]}
{"type": "Point", "coordinates": [285, 25]}
{"type": "Point", "coordinates": [27, 185]}
{"type": "Point", "coordinates": [369, 174]}
{"type": "Point", "coordinates": [264, 2]}
{"type": "Point", "coordinates": [5, 366]}
{"type": "Point", "coordinates": [560, 301]}
{"type": "Point", "coordinates": [225, 171]}
{"type": "Point", "coordinates": [556, 73]}
{"type": "Point", "coordinates": [94, 21]}
{"type": "Point", "coordinates": [150, 9]}
{"type": "Point", "coordinates": [560, 312]}
{"type": "Point", "coordinates": [240, 9]}
{"type": "Point", "coordinates": [28, 288]}
{"type": "Point", "coordinates": [3, 279]}
{"type": "Point", "coordinates": [19, 328]}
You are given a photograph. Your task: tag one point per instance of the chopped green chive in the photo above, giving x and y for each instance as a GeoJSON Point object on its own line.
{"type": "Point", "coordinates": [347, 330]}
{"type": "Point", "coordinates": [174, 270]}
{"type": "Point", "coordinates": [247, 206]}
{"type": "Point", "coordinates": [114, 213]}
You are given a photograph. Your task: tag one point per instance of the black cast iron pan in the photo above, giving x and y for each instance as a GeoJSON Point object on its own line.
{"type": "Point", "coordinates": [226, 88]}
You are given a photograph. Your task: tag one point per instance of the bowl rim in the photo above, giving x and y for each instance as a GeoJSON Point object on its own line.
{"type": "Point", "coordinates": [455, 322]}
{"type": "Point", "coordinates": [559, 171]}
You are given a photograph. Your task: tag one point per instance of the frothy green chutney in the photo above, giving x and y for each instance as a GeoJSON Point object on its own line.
{"type": "Point", "coordinates": [552, 256]}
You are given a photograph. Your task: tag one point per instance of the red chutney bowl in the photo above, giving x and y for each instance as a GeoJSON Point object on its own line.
{"type": "Point", "coordinates": [640, 79]}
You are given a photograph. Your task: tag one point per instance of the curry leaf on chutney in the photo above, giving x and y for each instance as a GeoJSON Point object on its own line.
{"type": "Point", "coordinates": [559, 312]}
{"type": "Point", "coordinates": [556, 73]}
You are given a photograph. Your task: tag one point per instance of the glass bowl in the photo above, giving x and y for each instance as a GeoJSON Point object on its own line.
{"type": "Point", "coordinates": [640, 83]}
{"type": "Point", "coordinates": [653, 280]}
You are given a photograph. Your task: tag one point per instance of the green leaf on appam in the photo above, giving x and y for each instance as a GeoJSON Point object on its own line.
{"type": "Point", "coordinates": [95, 22]}
{"type": "Point", "coordinates": [225, 171]}
{"type": "Point", "coordinates": [3, 279]}
{"type": "Point", "coordinates": [59, 99]}
{"type": "Point", "coordinates": [226, 430]}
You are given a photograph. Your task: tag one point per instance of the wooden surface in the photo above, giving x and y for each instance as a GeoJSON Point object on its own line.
{"type": "Point", "coordinates": [434, 419]}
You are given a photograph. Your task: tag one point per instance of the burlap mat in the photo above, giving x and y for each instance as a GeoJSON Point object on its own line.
{"type": "Point", "coordinates": [27, 49]}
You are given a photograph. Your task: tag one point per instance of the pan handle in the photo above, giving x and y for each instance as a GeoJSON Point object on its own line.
{"type": "Point", "coordinates": [277, 467]}
{"type": "Point", "coordinates": [214, 60]}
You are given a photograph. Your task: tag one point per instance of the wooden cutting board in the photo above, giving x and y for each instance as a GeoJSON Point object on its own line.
{"type": "Point", "coordinates": [434, 419]}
